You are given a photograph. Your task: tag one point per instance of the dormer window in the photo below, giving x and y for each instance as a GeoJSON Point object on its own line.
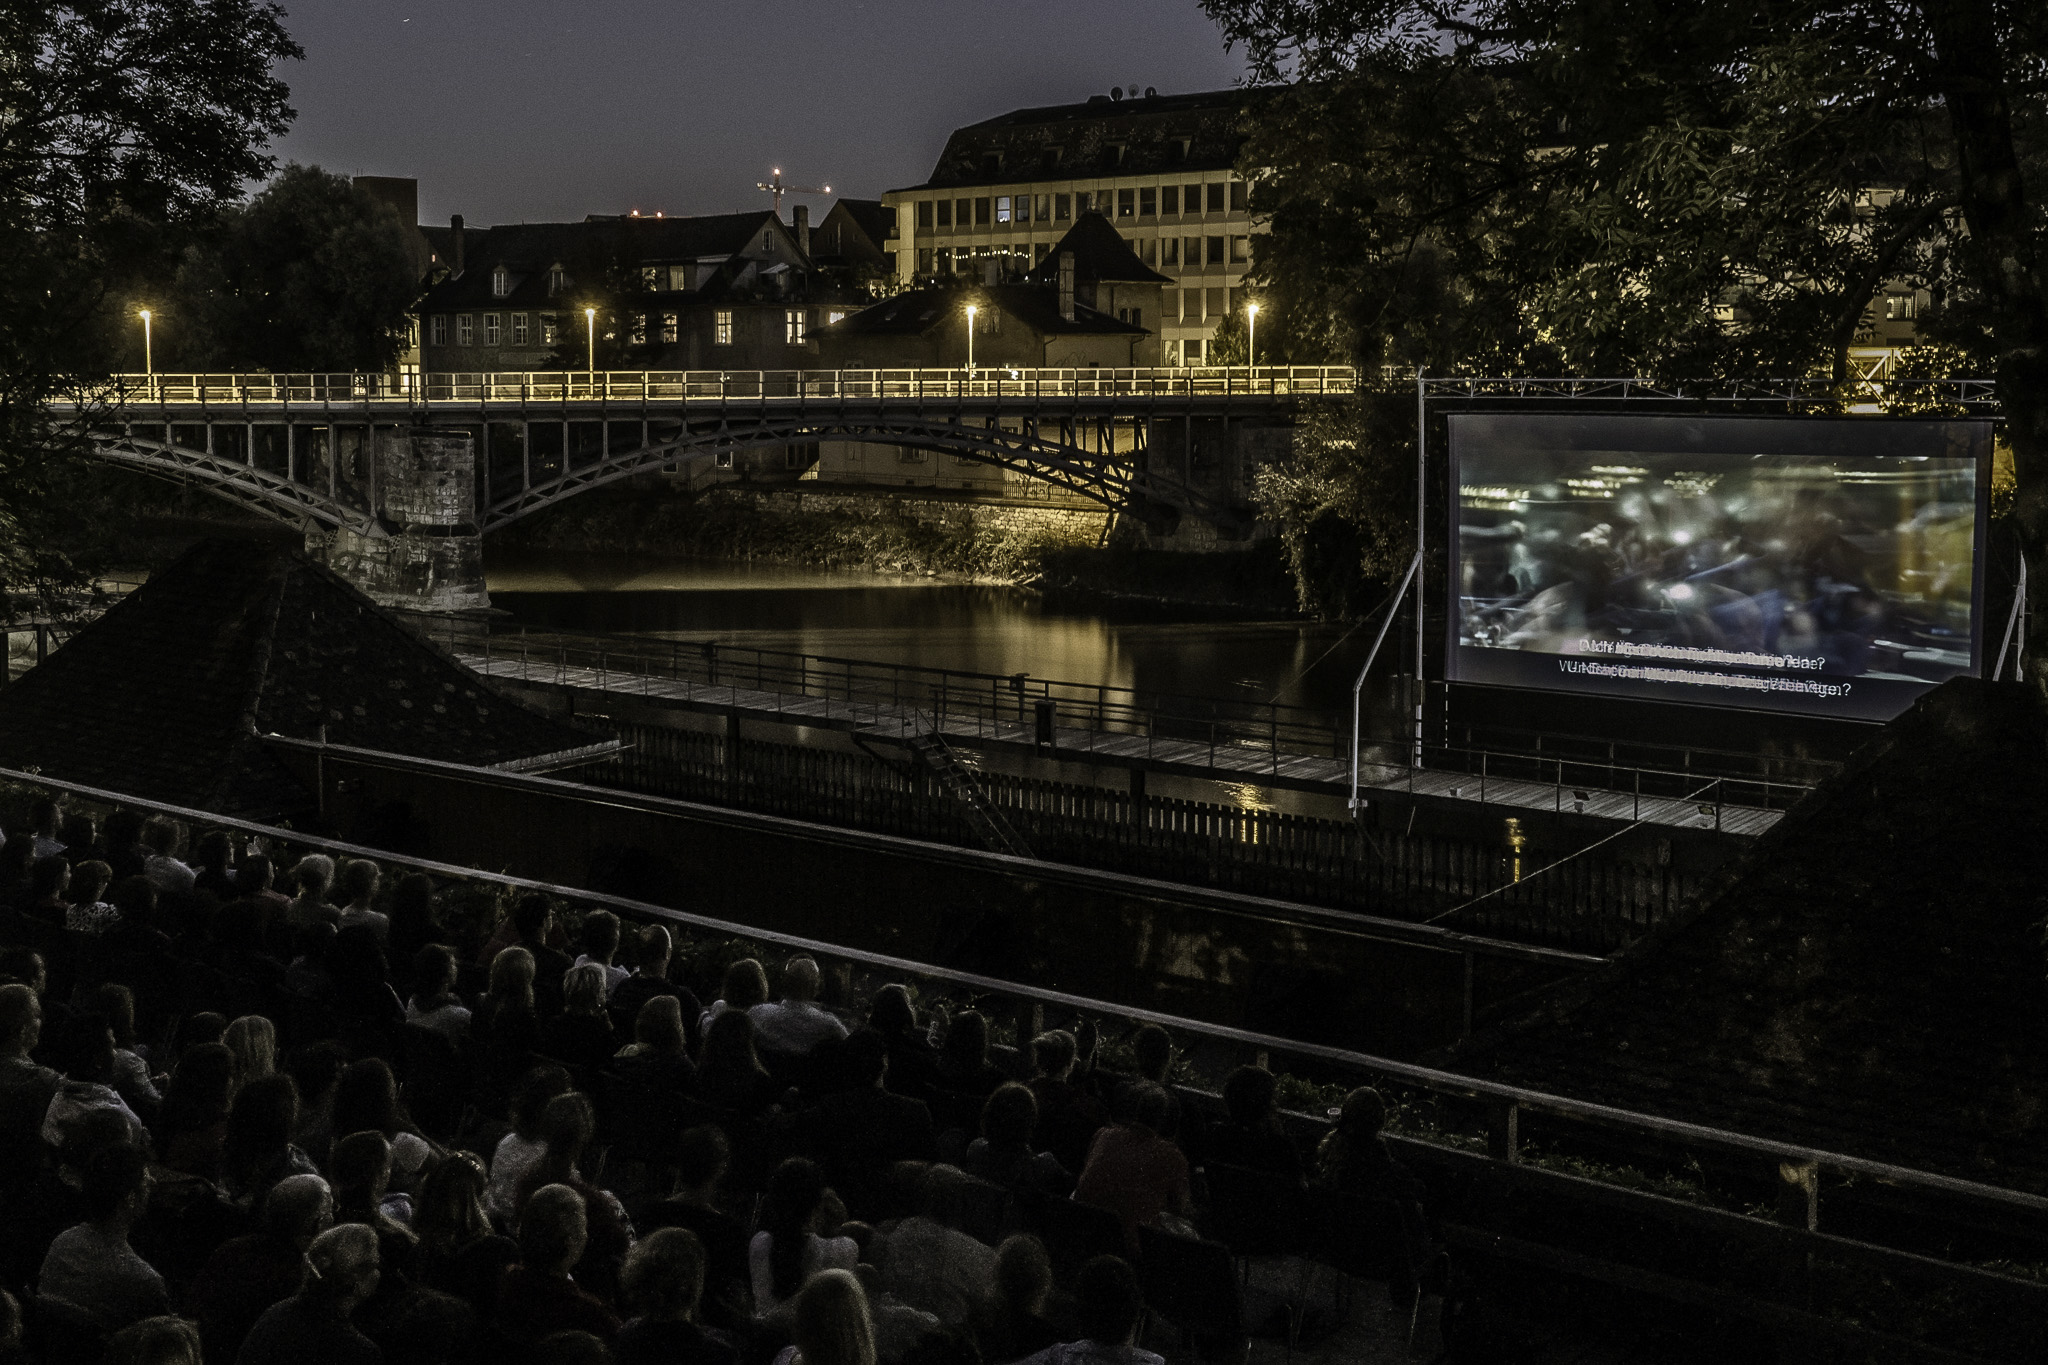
{"type": "Point", "coordinates": [1049, 158]}
{"type": "Point", "coordinates": [501, 282]}
{"type": "Point", "coordinates": [558, 280]}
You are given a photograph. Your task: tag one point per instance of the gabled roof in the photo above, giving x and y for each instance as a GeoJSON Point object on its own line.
{"type": "Point", "coordinates": [1867, 980]}
{"type": "Point", "coordinates": [871, 216]}
{"type": "Point", "coordinates": [922, 311]}
{"type": "Point", "coordinates": [527, 250]}
{"type": "Point", "coordinates": [1101, 256]}
{"type": "Point", "coordinates": [164, 696]}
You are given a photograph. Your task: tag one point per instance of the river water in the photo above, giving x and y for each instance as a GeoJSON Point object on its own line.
{"type": "Point", "coordinates": [894, 619]}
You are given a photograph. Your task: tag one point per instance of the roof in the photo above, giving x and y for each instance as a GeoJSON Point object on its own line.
{"type": "Point", "coordinates": [527, 250]}
{"type": "Point", "coordinates": [1867, 980]}
{"type": "Point", "coordinates": [920, 311]}
{"type": "Point", "coordinates": [1101, 255]}
{"type": "Point", "coordinates": [871, 216]}
{"type": "Point", "coordinates": [164, 696]}
{"type": "Point", "coordinates": [1156, 135]}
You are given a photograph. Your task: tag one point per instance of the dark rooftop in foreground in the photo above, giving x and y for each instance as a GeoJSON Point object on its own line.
{"type": "Point", "coordinates": [1869, 979]}
{"type": "Point", "coordinates": [165, 695]}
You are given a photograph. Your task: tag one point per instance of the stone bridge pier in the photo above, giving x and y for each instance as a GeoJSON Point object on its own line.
{"type": "Point", "coordinates": [425, 551]}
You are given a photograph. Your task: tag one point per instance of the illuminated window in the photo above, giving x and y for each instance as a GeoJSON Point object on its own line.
{"type": "Point", "coordinates": [437, 329]}
{"type": "Point", "coordinates": [1002, 208]}
{"type": "Point", "coordinates": [669, 329]}
{"type": "Point", "coordinates": [558, 280]}
{"type": "Point", "coordinates": [651, 277]}
{"type": "Point", "coordinates": [465, 329]}
{"type": "Point", "coordinates": [519, 329]}
{"type": "Point", "coordinates": [723, 459]}
{"type": "Point", "coordinates": [1126, 203]}
{"type": "Point", "coordinates": [550, 330]}
{"type": "Point", "coordinates": [501, 282]}
{"type": "Point", "coordinates": [721, 327]}
{"type": "Point", "coordinates": [793, 326]}
{"type": "Point", "coordinates": [768, 240]}
{"type": "Point", "coordinates": [491, 332]}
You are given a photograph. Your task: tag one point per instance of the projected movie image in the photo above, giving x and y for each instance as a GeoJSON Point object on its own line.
{"type": "Point", "coordinates": [1825, 566]}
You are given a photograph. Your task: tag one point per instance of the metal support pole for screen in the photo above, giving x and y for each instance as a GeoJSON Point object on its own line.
{"type": "Point", "coordinates": [1393, 610]}
{"type": "Point", "coordinates": [2012, 626]}
{"type": "Point", "coordinates": [1421, 543]}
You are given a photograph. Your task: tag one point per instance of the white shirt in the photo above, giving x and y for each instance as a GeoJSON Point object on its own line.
{"type": "Point", "coordinates": [168, 874]}
{"type": "Point", "coordinates": [450, 1019]}
{"type": "Point", "coordinates": [509, 1164]}
{"type": "Point", "coordinates": [379, 922]}
{"type": "Point", "coordinates": [794, 1026]}
{"type": "Point", "coordinates": [612, 975]}
{"type": "Point", "coordinates": [820, 1253]}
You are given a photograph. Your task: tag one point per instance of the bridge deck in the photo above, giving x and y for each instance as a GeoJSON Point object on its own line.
{"type": "Point", "coordinates": [1190, 758]}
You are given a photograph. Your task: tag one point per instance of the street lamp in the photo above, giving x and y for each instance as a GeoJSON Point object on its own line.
{"type": "Point", "coordinates": [148, 361]}
{"type": "Point", "coordinates": [590, 321]}
{"type": "Point", "coordinates": [970, 338]}
{"type": "Point", "coordinates": [1251, 345]}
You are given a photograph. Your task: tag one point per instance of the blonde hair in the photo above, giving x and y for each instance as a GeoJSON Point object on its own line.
{"type": "Point", "coordinates": [831, 1323]}
{"type": "Point", "coordinates": [253, 1040]}
{"type": "Point", "coordinates": [583, 989]}
{"type": "Point", "coordinates": [512, 976]}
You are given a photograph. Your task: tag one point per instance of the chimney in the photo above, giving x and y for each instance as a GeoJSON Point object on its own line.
{"type": "Point", "coordinates": [1067, 285]}
{"type": "Point", "coordinates": [803, 228]}
{"type": "Point", "coordinates": [455, 245]}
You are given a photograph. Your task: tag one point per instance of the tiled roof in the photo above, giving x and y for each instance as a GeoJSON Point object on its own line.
{"type": "Point", "coordinates": [1099, 137]}
{"type": "Point", "coordinates": [1869, 979]}
{"type": "Point", "coordinates": [159, 696]}
{"type": "Point", "coordinates": [924, 310]}
{"type": "Point", "coordinates": [1101, 255]}
{"type": "Point", "coordinates": [585, 250]}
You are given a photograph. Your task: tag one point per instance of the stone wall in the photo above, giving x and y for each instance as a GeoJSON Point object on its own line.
{"type": "Point", "coordinates": [427, 554]}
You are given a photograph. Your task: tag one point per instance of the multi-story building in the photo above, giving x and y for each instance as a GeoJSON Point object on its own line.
{"type": "Point", "coordinates": [1158, 167]}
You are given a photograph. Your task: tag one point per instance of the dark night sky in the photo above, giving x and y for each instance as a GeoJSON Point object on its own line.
{"type": "Point", "coordinates": [535, 110]}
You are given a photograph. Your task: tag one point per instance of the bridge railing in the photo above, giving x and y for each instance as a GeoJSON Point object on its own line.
{"type": "Point", "coordinates": [727, 386]}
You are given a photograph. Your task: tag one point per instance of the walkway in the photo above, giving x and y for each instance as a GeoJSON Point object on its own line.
{"type": "Point", "coordinates": [1185, 758]}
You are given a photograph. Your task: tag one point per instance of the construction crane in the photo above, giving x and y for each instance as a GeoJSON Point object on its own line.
{"type": "Point", "coordinates": [775, 187]}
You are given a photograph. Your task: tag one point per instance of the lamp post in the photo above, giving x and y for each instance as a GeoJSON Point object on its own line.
{"type": "Point", "coordinates": [1251, 345]}
{"type": "Point", "coordinates": [148, 361]}
{"type": "Point", "coordinates": [590, 322]}
{"type": "Point", "coordinates": [970, 338]}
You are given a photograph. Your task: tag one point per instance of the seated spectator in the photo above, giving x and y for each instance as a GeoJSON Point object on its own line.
{"type": "Point", "coordinates": [744, 986]}
{"type": "Point", "coordinates": [367, 1101]}
{"type": "Point", "coordinates": [963, 1074]}
{"type": "Point", "coordinates": [831, 1323]}
{"type": "Point", "coordinates": [90, 911]}
{"type": "Point", "coordinates": [540, 1297]}
{"type": "Point", "coordinates": [356, 890]}
{"type": "Point", "coordinates": [253, 1040]}
{"type": "Point", "coordinates": [859, 1133]}
{"type": "Point", "coordinates": [652, 948]}
{"type": "Point", "coordinates": [87, 1057]}
{"type": "Point", "coordinates": [45, 815]}
{"type": "Point", "coordinates": [91, 1268]}
{"type": "Point", "coordinates": [531, 926]}
{"type": "Point", "coordinates": [519, 1149]}
{"type": "Point", "coordinates": [361, 1170]}
{"type": "Point", "coordinates": [1132, 1170]}
{"type": "Point", "coordinates": [790, 1247]}
{"type": "Point", "coordinates": [796, 1025]}
{"type": "Point", "coordinates": [17, 861]}
{"type": "Point", "coordinates": [81, 835]}
{"type": "Point", "coordinates": [912, 1061]}
{"type": "Point", "coordinates": [121, 843]}
{"type": "Point", "coordinates": [258, 1150]}
{"type": "Point", "coordinates": [154, 1341]}
{"type": "Point", "coordinates": [312, 875]}
{"type": "Point", "coordinates": [926, 1261]}
{"type": "Point", "coordinates": [1353, 1160]}
{"type": "Point", "coordinates": [317, 1068]}
{"type": "Point", "coordinates": [1152, 1051]}
{"type": "Point", "coordinates": [162, 835]}
{"type": "Point", "coordinates": [1068, 1117]}
{"type": "Point", "coordinates": [662, 1282]}
{"type": "Point", "coordinates": [600, 946]}
{"type": "Point", "coordinates": [506, 1013]}
{"type": "Point", "coordinates": [1251, 1135]}
{"type": "Point", "coordinates": [703, 1155]}
{"type": "Point", "coordinates": [1003, 1154]}
{"type": "Point", "coordinates": [256, 881]}
{"type": "Point", "coordinates": [49, 888]}
{"type": "Point", "coordinates": [192, 1124]}
{"type": "Point", "coordinates": [312, 1327]}
{"type": "Point", "coordinates": [657, 1055]}
{"type": "Point", "coordinates": [132, 1078]}
{"type": "Point", "coordinates": [434, 1003]}
{"type": "Point", "coordinates": [460, 1253]}
{"type": "Point", "coordinates": [581, 1035]}
{"type": "Point", "coordinates": [26, 1088]}
{"type": "Point", "coordinates": [365, 1004]}
{"type": "Point", "coordinates": [729, 1074]}
{"type": "Point", "coordinates": [213, 866]}
{"type": "Point", "coordinates": [1108, 1308]}
{"type": "Point", "coordinates": [413, 925]}
{"type": "Point", "coordinates": [567, 1126]}
{"type": "Point", "coordinates": [1014, 1324]}
{"type": "Point", "coordinates": [246, 1275]}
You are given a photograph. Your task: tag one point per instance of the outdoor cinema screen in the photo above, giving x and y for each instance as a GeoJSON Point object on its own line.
{"type": "Point", "coordinates": [1830, 566]}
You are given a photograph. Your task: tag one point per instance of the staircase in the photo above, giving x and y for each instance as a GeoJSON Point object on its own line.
{"type": "Point", "coordinates": [956, 780]}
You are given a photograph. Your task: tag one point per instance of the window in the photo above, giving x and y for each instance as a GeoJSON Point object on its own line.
{"type": "Point", "coordinates": [651, 277]}
{"type": "Point", "coordinates": [889, 262]}
{"type": "Point", "coordinates": [1126, 203]}
{"type": "Point", "coordinates": [1217, 302]}
{"type": "Point", "coordinates": [945, 207]}
{"type": "Point", "coordinates": [1137, 317]}
{"type": "Point", "coordinates": [1192, 348]}
{"type": "Point", "coordinates": [834, 316]}
{"type": "Point", "coordinates": [679, 277]}
{"type": "Point", "coordinates": [1237, 196]}
{"type": "Point", "coordinates": [1049, 157]}
{"type": "Point", "coordinates": [1062, 207]}
{"type": "Point", "coordinates": [1002, 208]}
{"type": "Point", "coordinates": [793, 457]}
{"type": "Point", "coordinates": [981, 207]}
{"type": "Point", "coordinates": [1023, 204]}
{"type": "Point", "coordinates": [1240, 250]}
{"type": "Point", "coordinates": [558, 280]}
{"type": "Point", "coordinates": [1149, 251]}
{"type": "Point", "coordinates": [1148, 202]}
{"type": "Point", "coordinates": [924, 213]}
{"type": "Point", "coordinates": [1169, 201]}
{"type": "Point", "coordinates": [1214, 252]}
{"type": "Point", "coordinates": [1044, 210]}
{"type": "Point", "coordinates": [945, 260]}
{"type": "Point", "coordinates": [501, 282]}
{"type": "Point", "coordinates": [924, 260]}
{"type": "Point", "coordinates": [1084, 202]}
{"type": "Point", "coordinates": [637, 333]}
{"type": "Point", "coordinates": [519, 333]}
{"type": "Point", "coordinates": [670, 331]}
{"type": "Point", "coordinates": [792, 326]}
{"type": "Point", "coordinates": [1191, 255]}
{"type": "Point", "coordinates": [1191, 198]}
{"type": "Point", "coordinates": [491, 333]}
{"type": "Point", "coordinates": [768, 240]}
{"type": "Point", "coordinates": [723, 459]}
{"type": "Point", "coordinates": [548, 329]}
{"type": "Point", "coordinates": [721, 327]}
{"type": "Point", "coordinates": [1169, 251]}
{"type": "Point", "coordinates": [465, 329]}
{"type": "Point", "coordinates": [963, 212]}
{"type": "Point", "coordinates": [437, 329]}
{"type": "Point", "coordinates": [1216, 196]}
{"type": "Point", "coordinates": [1039, 251]}
{"type": "Point", "coordinates": [1116, 153]}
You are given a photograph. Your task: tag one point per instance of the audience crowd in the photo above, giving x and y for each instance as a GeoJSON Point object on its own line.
{"type": "Point", "coordinates": [271, 1110]}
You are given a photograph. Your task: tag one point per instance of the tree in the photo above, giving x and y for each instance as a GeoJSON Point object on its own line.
{"type": "Point", "coordinates": [311, 275]}
{"type": "Point", "coordinates": [123, 123]}
{"type": "Point", "coordinates": [1589, 186]}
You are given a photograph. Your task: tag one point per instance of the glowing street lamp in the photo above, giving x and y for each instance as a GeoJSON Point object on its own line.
{"type": "Point", "coordinates": [590, 321]}
{"type": "Point", "coordinates": [1251, 345]}
{"type": "Point", "coordinates": [148, 361]}
{"type": "Point", "coordinates": [970, 338]}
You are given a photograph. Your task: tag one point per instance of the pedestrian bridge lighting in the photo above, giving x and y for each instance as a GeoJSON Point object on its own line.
{"type": "Point", "coordinates": [971, 310]}
{"type": "Point", "coordinates": [590, 322]}
{"type": "Point", "coordinates": [148, 360]}
{"type": "Point", "coordinates": [1251, 346]}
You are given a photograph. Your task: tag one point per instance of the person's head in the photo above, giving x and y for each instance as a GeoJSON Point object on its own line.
{"type": "Point", "coordinates": [215, 850]}
{"type": "Point", "coordinates": [451, 1213]}
{"type": "Point", "coordinates": [702, 1156]}
{"type": "Point", "coordinates": [253, 1040]}
{"type": "Point", "coordinates": [317, 1068]}
{"type": "Point", "coordinates": [664, 1275]}
{"type": "Point", "coordinates": [361, 1168]}
{"type": "Point", "coordinates": [298, 1209]}
{"type": "Point", "coordinates": [43, 814]}
{"type": "Point", "coordinates": [24, 965]}
{"type": "Point", "coordinates": [1053, 1053]}
{"type": "Point", "coordinates": [1147, 1106]}
{"type": "Point", "coordinates": [201, 1087]}
{"type": "Point", "coordinates": [313, 874]}
{"type": "Point", "coordinates": [412, 900]}
{"type": "Point", "coordinates": [116, 1003]}
{"type": "Point", "coordinates": [583, 990]}
{"type": "Point", "coordinates": [90, 880]}
{"type": "Point", "coordinates": [601, 936]}
{"type": "Point", "coordinates": [830, 1322]}
{"type": "Point", "coordinates": [890, 1013]}
{"type": "Point", "coordinates": [124, 830]}
{"type": "Point", "coordinates": [256, 873]}
{"type": "Point", "coordinates": [1153, 1048]}
{"type": "Point", "coordinates": [512, 978]}
{"type": "Point", "coordinates": [17, 855]}
{"type": "Point", "coordinates": [86, 1050]}
{"type": "Point", "coordinates": [1107, 1303]}
{"type": "Point", "coordinates": [49, 878]}
{"type": "Point", "coordinates": [966, 1047]}
{"type": "Point", "coordinates": [800, 978]}
{"type": "Point", "coordinates": [358, 885]}
{"type": "Point", "coordinates": [1363, 1115]}
{"type": "Point", "coordinates": [80, 833]}
{"type": "Point", "coordinates": [864, 1057]}
{"type": "Point", "coordinates": [342, 1265]}
{"type": "Point", "coordinates": [1023, 1274]}
{"type": "Point", "coordinates": [553, 1230]}
{"type": "Point", "coordinates": [659, 1026]}
{"type": "Point", "coordinates": [433, 972]}
{"type": "Point", "coordinates": [1248, 1095]}
{"type": "Point", "coordinates": [746, 984]}
{"type": "Point", "coordinates": [261, 1120]}
{"type": "Point", "coordinates": [21, 1020]}
{"type": "Point", "coordinates": [530, 1101]}
{"type": "Point", "coordinates": [161, 835]}
{"type": "Point", "coordinates": [566, 1127]}
{"type": "Point", "coordinates": [729, 1046]}
{"type": "Point", "coordinates": [531, 914]}
{"type": "Point", "coordinates": [116, 1184]}
{"type": "Point", "coordinates": [367, 1098]}
{"type": "Point", "coordinates": [135, 898]}
{"type": "Point", "coordinates": [154, 1341]}
{"type": "Point", "coordinates": [652, 948]}
{"type": "Point", "coordinates": [203, 1027]}
{"type": "Point", "coordinates": [1009, 1116]}
{"type": "Point", "coordinates": [796, 1191]}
